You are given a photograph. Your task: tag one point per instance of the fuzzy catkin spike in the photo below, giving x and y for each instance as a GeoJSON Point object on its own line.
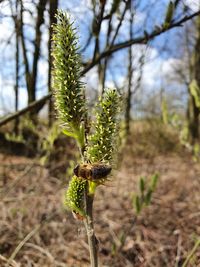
{"type": "Point", "coordinates": [102, 143]}
{"type": "Point", "coordinates": [75, 194]}
{"type": "Point", "coordinates": [68, 89]}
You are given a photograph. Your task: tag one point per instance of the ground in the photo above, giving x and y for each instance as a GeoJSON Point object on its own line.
{"type": "Point", "coordinates": [36, 230]}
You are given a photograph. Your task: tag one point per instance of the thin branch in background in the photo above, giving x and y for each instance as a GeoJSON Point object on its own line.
{"type": "Point", "coordinates": [39, 21]}
{"type": "Point", "coordinates": [23, 242]}
{"type": "Point", "coordinates": [96, 28]}
{"type": "Point", "coordinates": [141, 65]}
{"type": "Point", "coordinates": [16, 65]}
{"type": "Point", "coordinates": [31, 70]}
{"type": "Point", "coordinates": [34, 105]}
{"type": "Point", "coordinates": [15, 18]}
{"type": "Point", "coordinates": [127, 6]}
{"type": "Point", "coordinates": [109, 43]}
{"type": "Point", "coordinates": [103, 69]}
{"type": "Point", "coordinates": [179, 248]}
{"type": "Point", "coordinates": [130, 74]}
{"type": "Point", "coordinates": [191, 254]}
{"type": "Point", "coordinates": [24, 49]}
{"type": "Point", "coordinates": [139, 40]}
{"type": "Point", "coordinates": [44, 220]}
{"type": "Point", "coordinates": [89, 65]}
{"type": "Point", "coordinates": [87, 43]}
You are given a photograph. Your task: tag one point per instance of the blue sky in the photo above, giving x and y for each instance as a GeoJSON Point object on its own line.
{"type": "Point", "coordinates": [149, 13]}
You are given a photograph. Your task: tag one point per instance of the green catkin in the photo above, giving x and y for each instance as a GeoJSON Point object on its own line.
{"type": "Point", "coordinates": [74, 196]}
{"type": "Point", "coordinates": [71, 108]}
{"type": "Point", "coordinates": [68, 89]}
{"type": "Point", "coordinates": [102, 143]}
{"type": "Point", "coordinates": [69, 97]}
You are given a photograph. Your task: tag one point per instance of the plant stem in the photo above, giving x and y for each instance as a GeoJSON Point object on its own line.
{"type": "Point", "coordinates": [92, 241]}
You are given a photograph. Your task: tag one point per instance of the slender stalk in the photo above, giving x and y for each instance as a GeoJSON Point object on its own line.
{"type": "Point", "coordinates": [88, 221]}
{"type": "Point", "coordinates": [92, 241]}
{"type": "Point", "coordinates": [22, 243]}
{"type": "Point", "coordinates": [196, 245]}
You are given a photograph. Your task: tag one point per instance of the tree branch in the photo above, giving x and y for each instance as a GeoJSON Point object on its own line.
{"type": "Point", "coordinates": [140, 40]}
{"type": "Point", "coordinates": [33, 105]}
{"type": "Point", "coordinates": [38, 34]}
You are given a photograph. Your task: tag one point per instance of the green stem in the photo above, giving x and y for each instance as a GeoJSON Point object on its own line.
{"type": "Point", "coordinates": [92, 241]}
{"type": "Point", "coordinates": [89, 225]}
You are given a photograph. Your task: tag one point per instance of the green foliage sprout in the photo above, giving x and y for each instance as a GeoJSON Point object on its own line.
{"type": "Point", "coordinates": [145, 195]}
{"type": "Point", "coordinates": [68, 89]}
{"type": "Point", "coordinates": [169, 14]}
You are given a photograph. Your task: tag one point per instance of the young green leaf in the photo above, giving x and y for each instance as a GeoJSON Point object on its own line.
{"type": "Point", "coordinates": [138, 204]}
{"type": "Point", "coordinates": [147, 198]}
{"type": "Point", "coordinates": [154, 181]}
{"type": "Point", "coordinates": [169, 14]}
{"type": "Point", "coordinates": [142, 185]}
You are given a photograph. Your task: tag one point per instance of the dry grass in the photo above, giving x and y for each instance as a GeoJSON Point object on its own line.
{"type": "Point", "coordinates": [31, 202]}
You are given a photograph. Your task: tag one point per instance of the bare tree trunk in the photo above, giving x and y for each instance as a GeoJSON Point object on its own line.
{"type": "Point", "coordinates": [16, 65]}
{"type": "Point", "coordinates": [193, 117]}
{"type": "Point", "coordinates": [193, 110]}
{"type": "Point", "coordinates": [96, 27]}
{"type": "Point", "coordinates": [31, 73]}
{"type": "Point", "coordinates": [197, 54]}
{"type": "Point", "coordinates": [24, 51]}
{"type": "Point", "coordinates": [53, 6]}
{"type": "Point", "coordinates": [102, 74]}
{"type": "Point", "coordinates": [109, 43]}
{"type": "Point", "coordinates": [38, 34]}
{"type": "Point", "coordinates": [130, 77]}
{"type": "Point", "coordinates": [33, 106]}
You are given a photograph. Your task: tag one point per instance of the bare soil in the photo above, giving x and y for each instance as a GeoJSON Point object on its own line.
{"type": "Point", "coordinates": [37, 231]}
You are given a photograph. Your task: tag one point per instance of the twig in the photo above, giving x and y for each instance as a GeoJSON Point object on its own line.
{"type": "Point", "coordinates": [106, 53]}
{"type": "Point", "coordinates": [22, 243]}
{"type": "Point", "coordinates": [24, 110]}
{"type": "Point", "coordinates": [178, 254]}
{"type": "Point", "coordinates": [190, 255]}
{"type": "Point", "coordinates": [120, 23]}
{"type": "Point", "coordinates": [29, 236]}
{"type": "Point", "coordinates": [100, 19]}
{"type": "Point", "coordinates": [12, 264]}
{"type": "Point", "coordinates": [139, 40]}
{"type": "Point", "coordinates": [42, 250]}
{"type": "Point", "coordinates": [14, 183]}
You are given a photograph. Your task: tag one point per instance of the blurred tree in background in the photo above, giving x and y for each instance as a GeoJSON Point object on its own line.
{"type": "Point", "coordinates": [120, 40]}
